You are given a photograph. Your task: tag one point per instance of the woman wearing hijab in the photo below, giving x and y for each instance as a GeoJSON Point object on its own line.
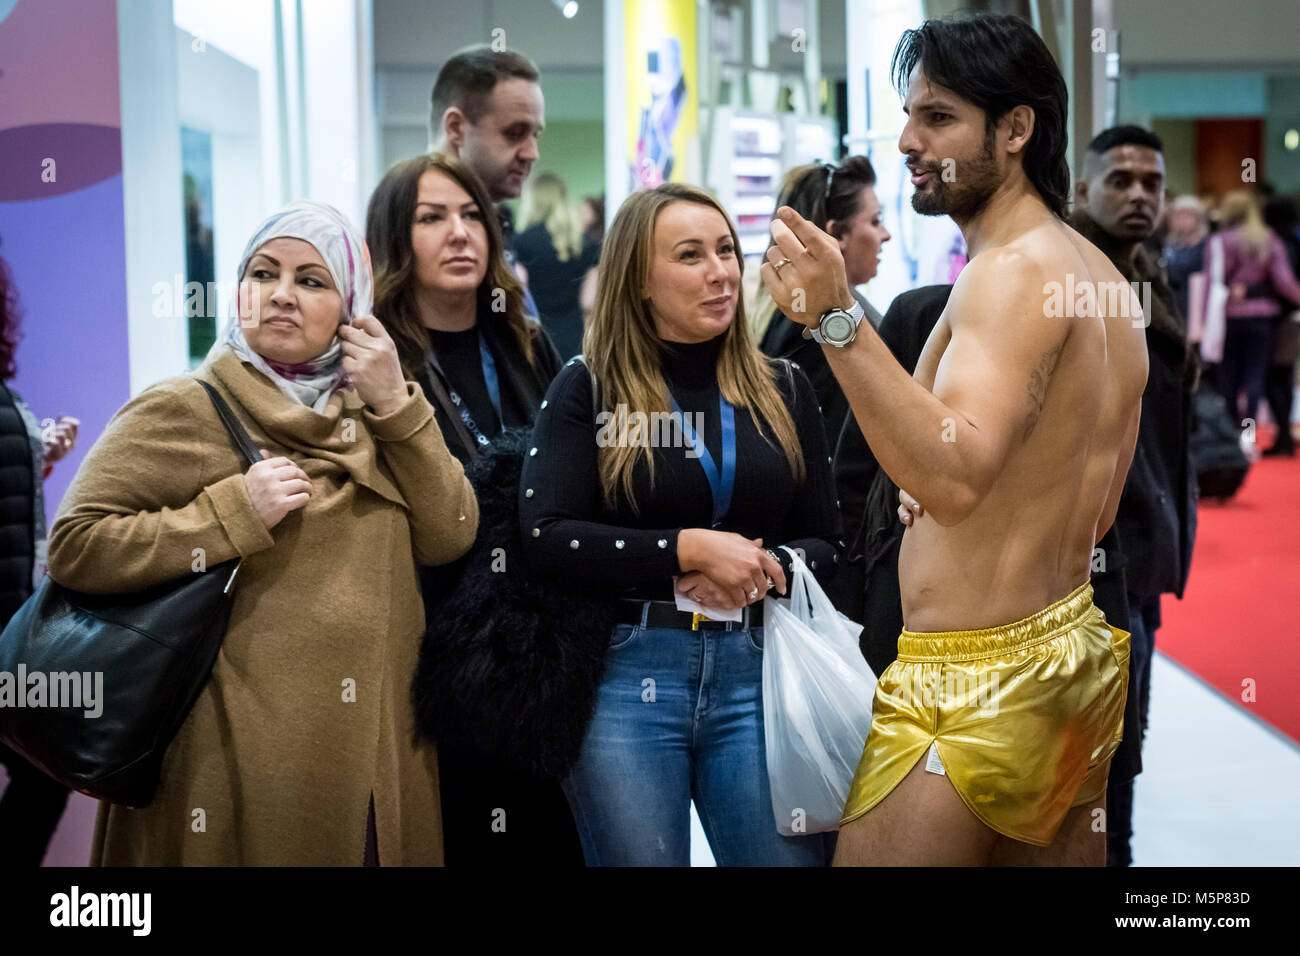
{"type": "Point", "coordinates": [300, 749]}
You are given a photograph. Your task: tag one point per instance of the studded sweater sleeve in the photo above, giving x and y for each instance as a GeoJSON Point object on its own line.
{"type": "Point", "coordinates": [560, 500]}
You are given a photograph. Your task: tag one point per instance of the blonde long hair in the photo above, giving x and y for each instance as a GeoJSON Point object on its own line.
{"type": "Point", "coordinates": [547, 202]}
{"type": "Point", "coordinates": [1241, 210]}
{"type": "Point", "coordinates": [624, 352]}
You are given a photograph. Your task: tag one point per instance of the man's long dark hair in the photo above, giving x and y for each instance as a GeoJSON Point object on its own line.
{"type": "Point", "coordinates": [997, 62]}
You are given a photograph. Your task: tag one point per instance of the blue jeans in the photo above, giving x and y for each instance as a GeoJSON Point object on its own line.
{"type": "Point", "coordinates": [680, 718]}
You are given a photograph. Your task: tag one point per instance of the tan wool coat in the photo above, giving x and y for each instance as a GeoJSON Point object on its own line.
{"type": "Point", "coordinates": [308, 711]}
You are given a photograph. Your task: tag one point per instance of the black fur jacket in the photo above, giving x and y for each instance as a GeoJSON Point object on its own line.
{"type": "Point", "coordinates": [510, 665]}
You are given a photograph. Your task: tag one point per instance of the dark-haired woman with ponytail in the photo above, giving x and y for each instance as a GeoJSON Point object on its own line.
{"type": "Point", "coordinates": [840, 200]}
{"type": "Point", "coordinates": [456, 313]}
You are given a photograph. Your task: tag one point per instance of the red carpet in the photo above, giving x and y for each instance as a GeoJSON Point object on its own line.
{"type": "Point", "coordinates": [1239, 618]}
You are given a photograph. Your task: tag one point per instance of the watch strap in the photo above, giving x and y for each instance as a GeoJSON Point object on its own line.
{"type": "Point", "coordinates": [855, 312]}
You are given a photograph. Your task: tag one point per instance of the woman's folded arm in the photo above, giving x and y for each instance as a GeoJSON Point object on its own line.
{"type": "Point", "coordinates": [142, 510]}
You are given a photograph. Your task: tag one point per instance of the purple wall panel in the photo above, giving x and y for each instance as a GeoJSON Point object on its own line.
{"type": "Point", "coordinates": [65, 241]}
{"type": "Point", "coordinates": [68, 262]}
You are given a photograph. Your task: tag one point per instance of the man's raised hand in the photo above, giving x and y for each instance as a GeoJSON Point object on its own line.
{"type": "Point", "coordinates": [804, 271]}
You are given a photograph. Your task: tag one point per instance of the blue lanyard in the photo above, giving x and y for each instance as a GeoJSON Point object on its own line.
{"type": "Point", "coordinates": [490, 378]}
{"type": "Point", "coordinates": [724, 483]}
{"type": "Point", "coordinates": [492, 382]}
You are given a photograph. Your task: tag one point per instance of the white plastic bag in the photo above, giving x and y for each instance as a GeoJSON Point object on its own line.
{"type": "Point", "coordinates": [817, 693]}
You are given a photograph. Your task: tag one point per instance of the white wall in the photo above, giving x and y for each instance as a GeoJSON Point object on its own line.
{"type": "Point", "coordinates": [1193, 33]}
{"type": "Point", "coordinates": [151, 187]}
{"type": "Point", "coordinates": [219, 95]}
{"type": "Point", "coordinates": [424, 33]}
{"type": "Point", "coordinates": [340, 144]}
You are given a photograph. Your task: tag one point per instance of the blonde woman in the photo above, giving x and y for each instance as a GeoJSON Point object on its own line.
{"type": "Point", "coordinates": [1249, 260]}
{"type": "Point", "coordinates": [698, 513]}
{"type": "Point", "coordinates": [558, 257]}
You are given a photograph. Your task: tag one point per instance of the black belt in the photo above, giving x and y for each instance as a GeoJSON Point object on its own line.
{"type": "Point", "coordinates": [666, 614]}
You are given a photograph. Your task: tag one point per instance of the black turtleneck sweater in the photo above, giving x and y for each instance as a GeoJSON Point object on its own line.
{"type": "Point", "coordinates": [570, 533]}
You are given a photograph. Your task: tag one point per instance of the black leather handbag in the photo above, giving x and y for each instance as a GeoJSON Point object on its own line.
{"type": "Point", "coordinates": [103, 682]}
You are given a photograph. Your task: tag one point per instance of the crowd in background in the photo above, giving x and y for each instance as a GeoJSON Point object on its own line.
{"type": "Point", "coordinates": [482, 315]}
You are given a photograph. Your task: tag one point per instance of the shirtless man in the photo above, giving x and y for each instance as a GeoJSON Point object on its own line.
{"type": "Point", "coordinates": [1013, 438]}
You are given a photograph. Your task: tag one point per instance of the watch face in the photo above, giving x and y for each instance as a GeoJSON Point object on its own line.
{"type": "Point", "coordinates": [837, 327]}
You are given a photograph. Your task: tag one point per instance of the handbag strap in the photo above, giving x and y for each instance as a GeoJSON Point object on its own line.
{"type": "Point", "coordinates": [237, 433]}
{"type": "Point", "coordinates": [595, 389]}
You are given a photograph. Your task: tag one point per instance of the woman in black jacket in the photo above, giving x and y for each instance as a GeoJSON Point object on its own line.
{"type": "Point", "coordinates": [32, 802]}
{"type": "Point", "coordinates": [558, 257]}
{"type": "Point", "coordinates": [456, 313]}
{"type": "Point", "coordinates": [701, 463]}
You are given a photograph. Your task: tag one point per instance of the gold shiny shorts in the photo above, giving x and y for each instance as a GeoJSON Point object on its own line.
{"type": "Point", "coordinates": [1024, 717]}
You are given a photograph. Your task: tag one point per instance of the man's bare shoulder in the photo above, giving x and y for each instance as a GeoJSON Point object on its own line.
{"type": "Point", "coordinates": [1098, 263]}
{"type": "Point", "coordinates": [1002, 292]}
{"type": "Point", "coordinates": [1118, 302]}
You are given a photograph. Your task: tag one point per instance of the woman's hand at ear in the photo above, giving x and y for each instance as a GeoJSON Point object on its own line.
{"type": "Point", "coordinates": [371, 363]}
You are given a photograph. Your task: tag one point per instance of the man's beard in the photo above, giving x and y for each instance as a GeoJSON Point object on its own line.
{"type": "Point", "coordinates": [977, 179]}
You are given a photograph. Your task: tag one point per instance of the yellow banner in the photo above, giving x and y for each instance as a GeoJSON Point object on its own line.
{"type": "Point", "coordinates": [662, 92]}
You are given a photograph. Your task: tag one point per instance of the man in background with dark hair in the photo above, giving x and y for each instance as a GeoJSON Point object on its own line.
{"type": "Point", "coordinates": [992, 733]}
{"type": "Point", "coordinates": [487, 110]}
{"type": "Point", "coordinates": [1118, 201]}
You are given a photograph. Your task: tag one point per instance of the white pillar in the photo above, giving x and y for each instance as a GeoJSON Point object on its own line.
{"type": "Point", "coordinates": [616, 159]}
{"type": "Point", "coordinates": [152, 202]}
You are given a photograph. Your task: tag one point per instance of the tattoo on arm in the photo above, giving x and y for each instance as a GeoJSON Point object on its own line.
{"type": "Point", "coordinates": [1038, 380]}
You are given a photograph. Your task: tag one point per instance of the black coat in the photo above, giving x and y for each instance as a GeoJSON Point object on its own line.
{"type": "Point", "coordinates": [17, 515]}
{"type": "Point", "coordinates": [523, 386]}
{"type": "Point", "coordinates": [555, 285]}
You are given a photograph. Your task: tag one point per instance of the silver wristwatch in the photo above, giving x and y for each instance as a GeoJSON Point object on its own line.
{"type": "Point", "coordinates": [838, 327]}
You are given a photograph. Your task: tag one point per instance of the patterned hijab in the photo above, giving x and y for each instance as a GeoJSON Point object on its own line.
{"type": "Point", "coordinates": [311, 383]}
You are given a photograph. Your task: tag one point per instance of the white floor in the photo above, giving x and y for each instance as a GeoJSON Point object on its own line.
{"type": "Point", "coordinates": [1217, 788]}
